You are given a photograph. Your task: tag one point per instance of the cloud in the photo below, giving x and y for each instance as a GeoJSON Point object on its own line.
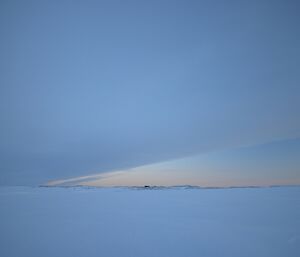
{"type": "Point", "coordinates": [133, 86]}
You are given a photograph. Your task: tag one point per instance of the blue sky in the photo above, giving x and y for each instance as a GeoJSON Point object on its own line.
{"type": "Point", "coordinates": [97, 86]}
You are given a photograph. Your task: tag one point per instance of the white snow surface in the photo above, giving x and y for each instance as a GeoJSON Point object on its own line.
{"type": "Point", "coordinates": [109, 222]}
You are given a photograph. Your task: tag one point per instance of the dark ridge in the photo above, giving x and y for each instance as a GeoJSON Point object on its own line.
{"type": "Point", "coordinates": [178, 187]}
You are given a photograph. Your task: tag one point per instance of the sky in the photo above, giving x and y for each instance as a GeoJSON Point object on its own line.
{"type": "Point", "coordinates": [93, 87]}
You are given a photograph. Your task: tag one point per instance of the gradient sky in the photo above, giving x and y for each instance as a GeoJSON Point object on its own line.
{"type": "Point", "coordinates": [275, 163]}
{"type": "Point", "coordinates": [96, 86]}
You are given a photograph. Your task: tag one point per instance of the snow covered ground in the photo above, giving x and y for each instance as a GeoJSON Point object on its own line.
{"type": "Point", "coordinates": [71, 222]}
